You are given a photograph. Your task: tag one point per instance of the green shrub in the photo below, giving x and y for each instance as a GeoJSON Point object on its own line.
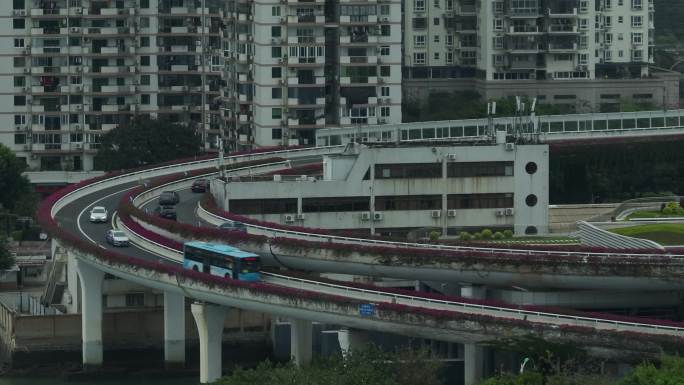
{"type": "Point", "coordinates": [498, 235]}
{"type": "Point", "coordinates": [477, 236]}
{"type": "Point", "coordinates": [17, 235]}
{"type": "Point", "coordinates": [434, 235]}
{"type": "Point", "coordinates": [464, 236]}
{"type": "Point", "coordinates": [508, 233]}
{"type": "Point", "coordinates": [673, 208]}
{"type": "Point", "coordinates": [487, 234]}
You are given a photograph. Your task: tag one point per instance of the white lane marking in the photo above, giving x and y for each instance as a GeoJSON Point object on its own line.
{"type": "Point", "coordinates": [78, 218]}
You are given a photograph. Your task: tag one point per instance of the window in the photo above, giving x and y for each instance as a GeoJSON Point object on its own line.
{"type": "Point", "coordinates": [384, 9]}
{"type": "Point", "coordinates": [275, 11]}
{"type": "Point", "coordinates": [435, 21]}
{"type": "Point", "coordinates": [479, 169]}
{"type": "Point", "coordinates": [276, 92]}
{"type": "Point", "coordinates": [276, 72]}
{"type": "Point", "coordinates": [384, 111]}
{"type": "Point", "coordinates": [144, 80]}
{"type": "Point", "coordinates": [609, 38]}
{"type": "Point", "coordinates": [419, 58]}
{"type": "Point", "coordinates": [583, 59]}
{"type": "Point", "coordinates": [384, 50]}
{"type": "Point", "coordinates": [419, 40]}
{"type": "Point", "coordinates": [620, 19]}
{"type": "Point", "coordinates": [436, 38]}
{"type": "Point", "coordinates": [18, 4]}
{"type": "Point", "coordinates": [608, 21]}
{"type": "Point", "coordinates": [384, 91]}
{"type": "Point", "coordinates": [275, 31]}
{"type": "Point", "coordinates": [637, 21]}
{"type": "Point", "coordinates": [479, 201]}
{"type": "Point", "coordinates": [385, 30]}
{"type": "Point", "coordinates": [636, 4]}
{"type": "Point", "coordinates": [19, 81]}
{"type": "Point", "coordinates": [145, 99]}
{"type": "Point", "coordinates": [498, 42]}
{"type": "Point", "coordinates": [18, 23]}
{"type": "Point", "coordinates": [135, 299]}
{"type": "Point", "coordinates": [335, 204]}
{"type": "Point", "coordinates": [450, 58]}
{"type": "Point", "coordinates": [418, 5]}
{"type": "Point", "coordinates": [436, 3]}
{"type": "Point", "coordinates": [276, 133]}
{"type": "Point", "coordinates": [449, 40]}
{"type": "Point", "coordinates": [19, 100]}
{"type": "Point", "coordinates": [637, 38]}
{"type": "Point", "coordinates": [637, 55]}
{"type": "Point", "coordinates": [498, 24]}
{"type": "Point", "coordinates": [449, 5]}
{"type": "Point", "coordinates": [144, 60]}
{"type": "Point", "coordinates": [620, 37]}
{"type": "Point", "coordinates": [276, 113]}
{"type": "Point", "coordinates": [18, 43]}
{"type": "Point", "coordinates": [436, 56]}
{"type": "Point", "coordinates": [19, 119]}
{"type": "Point", "coordinates": [385, 71]}
{"type": "Point", "coordinates": [144, 41]}
{"type": "Point", "coordinates": [276, 52]}
{"type": "Point", "coordinates": [419, 23]}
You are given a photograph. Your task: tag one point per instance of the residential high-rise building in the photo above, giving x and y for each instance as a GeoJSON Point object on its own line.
{"type": "Point", "coordinates": [252, 73]}
{"type": "Point", "coordinates": [586, 53]}
{"type": "Point", "coordinates": [297, 66]}
{"type": "Point", "coordinates": [76, 69]}
{"type": "Point", "coordinates": [528, 39]}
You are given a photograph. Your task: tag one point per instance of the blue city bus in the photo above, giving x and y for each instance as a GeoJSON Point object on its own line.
{"type": "Point", "coordinates": [221, 260]}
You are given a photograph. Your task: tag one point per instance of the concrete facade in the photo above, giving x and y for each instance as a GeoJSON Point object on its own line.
{"type": "Point", "coordinates": [353, 175]}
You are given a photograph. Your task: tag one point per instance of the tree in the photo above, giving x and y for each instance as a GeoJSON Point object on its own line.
{"type": "Point", "coordinates": [146, 141]}
{"type": "Point", "coordinates": [6, 258]}
{"type": "Point", "coordinates": [670, 372]}
{"type": "Point", "coordinates": [368, 367]}
{"type": "Point", "coordinates": [17, 194]}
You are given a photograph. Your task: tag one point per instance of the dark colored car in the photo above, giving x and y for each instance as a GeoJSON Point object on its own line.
{"type": "Point", "coordinates": [200, 186]}
{"type": "Point", "coordinates": [235, 226]}
{"type": "Point", "coordinates": [168, 198]}
{"type": "Point", "coordinates": [168, 212]}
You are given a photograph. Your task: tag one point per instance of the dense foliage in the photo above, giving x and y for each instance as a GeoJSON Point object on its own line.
{"type": "Point", "coordinates": [616, 172]}
{"type": "Point", "coordinates": [668, 21]}
{"type": "Point", "coordinates": [6, 258]}
{"type": "Point", "coordinates": [17, 194]}
{"type": "Point", "coordinates": [669, 371]}
{"type": "Point", "coordinates": [368, 367]}
{"type": "Point", "coordinates": [146, 141]}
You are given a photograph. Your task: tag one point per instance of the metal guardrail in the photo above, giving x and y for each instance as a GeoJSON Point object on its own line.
{"type": "Point", "coordinates": [466, 305]}
{"type": "Point", "coordinates": [594, 236]}
{"type": "Point", "coordinates": [216, 219]}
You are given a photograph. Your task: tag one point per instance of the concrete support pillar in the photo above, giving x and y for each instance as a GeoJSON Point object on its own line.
{"type": "Point", "coordinates": [473, 355]}
{"type": "Point", "coordinates": [174, 330]}
{"type": "Point", "coordinates": [351, 339]}
{"type": "Point", "coordinates": [209, 319]}
{"type": "Point", "coordinates": [91, 314]}
{"type": "Point", "coordinates": [301, 341]}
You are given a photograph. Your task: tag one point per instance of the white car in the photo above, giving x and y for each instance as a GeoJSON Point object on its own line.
{"type": "Point", "coordinates": [116, 238]}
{"type": "Point", "coordinates": [98, 214]}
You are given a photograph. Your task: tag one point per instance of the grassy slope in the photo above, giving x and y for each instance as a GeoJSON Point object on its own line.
{"type": "Point", "coordinates": [666, 234]}
{"type": "Point", "coordinates": [651, 214]}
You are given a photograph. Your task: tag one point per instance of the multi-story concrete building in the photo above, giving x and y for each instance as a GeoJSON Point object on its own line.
{"type": "Point", "coordinates": [252, 73]}
{"type": "Point", "coordinates": [296, 66]}
{"type": "Point", "coordinates": [542, 44]}
{"type": "Point", "coordinates": [75, 69]}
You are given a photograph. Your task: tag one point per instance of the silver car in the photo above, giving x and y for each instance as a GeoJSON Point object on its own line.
{"type": "Point", "coordinates": [98, 214]}
{"type": "Point", "coordinates": [116, 238]}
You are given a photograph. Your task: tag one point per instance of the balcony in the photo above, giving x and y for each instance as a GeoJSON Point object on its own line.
{"type": "Point", "coordinates": [562, 29]}
{"type": "Point", "coordinates": [306, 19]}
{"type": "Point", "coordinates": [523, 30]}
{"type": "Point", "coordinates": [562, 12]}
{"type": "Point", "coordinates": [358, 60]}
{"type": "Point", "coordinates": [562, 47]}
{"type": "Point", "coordinates": [523, 13]}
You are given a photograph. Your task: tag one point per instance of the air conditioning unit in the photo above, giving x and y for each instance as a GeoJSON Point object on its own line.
{"type": "Point", "coordinates": [289, 218]}
{"type": "Point", "coordinates": [436, 213]}
{"type": "Point", "coordinates": [381, 80]}
{"type": "Point", "coordinates": [509, 212]}
{"type": "Point", "coordinates": [509, 146]}
{"type": "Point", "coordinates": [451, 157]}
{"type": "Point", "coordinates": [79, 88]}
{"type": "Point", "coordinates": [27, 70]}
{"type": "Point", "coordinates": [299, 217]}
{"type": "Point", "coordinates": [78, 146]}
{"type": "Point", "coordinates": [499, 213]}
{"type": "Point", "coordinates": [27, 147]}
{"type": "Point", "coordinates": [184, 108]}
{"type": "Point", "coordinates": [19, 12]}
{"type": "Point", "coordinates": [385, 19]}
{"type": "Point", "coordinates": [283, 20]}
{"type": "Point", "coordinates": [79, 69]}
{"type": "Point", "coordinates": [365, 216]}
{"type": "Point", "coordinates": [382, 121]}
{"type": "Point", "coordinates": [75, 29]}
{"type": "Point", "coordinates": [79, 11]}
{"type": "Point", "coordinates": [377, 216]}
{"type": "Point", "coordinates": [77, 127]}
{"type": "Point", "coordinates": [79, 107]}
{"type": "Point", "coordinates": [281, 82]}
{"type": "Point", "coordinates": [28, 100]}
{"type": "Point", "coordinates": [24, 89]}
{"type": "Point", "coordinates": [275, 41]}
{"type": "Point", "coordinates": [19, 128]}
{"type": "Point", "coordinates": [451, 213]}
